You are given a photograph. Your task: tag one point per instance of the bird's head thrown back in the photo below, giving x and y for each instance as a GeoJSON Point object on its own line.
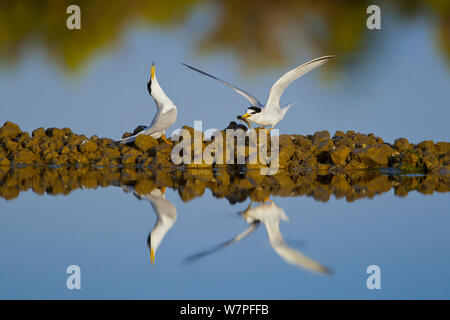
{"type": "Point", "coordinates": [152, 77]}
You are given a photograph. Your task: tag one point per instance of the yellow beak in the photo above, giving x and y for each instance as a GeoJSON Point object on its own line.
{"type": "Point", "coordinates": [152, 257]}
{"type": "Point", "coordinates": [152, 71]}
{"type": "Point", "coordinates": [246, 115]}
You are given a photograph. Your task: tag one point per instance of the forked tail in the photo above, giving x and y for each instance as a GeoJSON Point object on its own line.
{"type": "Point", "coordinates": [285, 109]}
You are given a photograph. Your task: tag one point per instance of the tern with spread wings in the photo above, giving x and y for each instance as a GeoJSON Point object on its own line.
{"type": "Point", "coordinates": [271, 113]}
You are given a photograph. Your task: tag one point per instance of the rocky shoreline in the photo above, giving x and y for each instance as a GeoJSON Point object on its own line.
{"type": "Point", "coordinates": [319, 152]}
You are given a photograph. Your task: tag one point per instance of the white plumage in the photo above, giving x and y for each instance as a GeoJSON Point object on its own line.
{"type": "Point", "coordinates": [269, 214]}
{"type": "Point", "coordinates": [166, 114]}
{"type": "Point", "coordinates": [166, 216]}
{"type": "Point", "coordinates": [271, 113]}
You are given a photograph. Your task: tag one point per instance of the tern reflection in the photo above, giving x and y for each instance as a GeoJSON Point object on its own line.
{"type": "Point", "coordinates": [166, 214]}
{"type": "Point", "coordinates": [269, 214]}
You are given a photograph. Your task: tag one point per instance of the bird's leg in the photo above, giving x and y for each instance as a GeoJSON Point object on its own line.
{"type": "Point", "coordinates": [163, 136]}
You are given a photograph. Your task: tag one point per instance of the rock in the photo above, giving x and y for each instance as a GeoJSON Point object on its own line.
{"type": "Point", "coordinates": [377, 156]}
{"type": "Point", "coordinates": [427, 144]}
{"type": "Point", "coordinates": [442, 147]}
{"type": "Point", "coordinates": [401, 144]}
{"type": "Point", "coordinates": [25, 157]}
{"type": "Point", "coordinates": [65, 149]}
{"type": "Point", "coordinates": [340, 154]}
{"type": "Point", "coordinates": [303, 142]}
{"type": "Point", "coordinates": [11, 146]}
{"type": "Point", "coordinates": [4, 161]}
{"type": "Point", "coordinates": [144, 142]}
{"type": "Point", "coordinates": [338, 133]}
{"type": "Point", "coordinates": [77, 158]}
{"type": "Point", "coordinates": [39, 132]}
{"type": "Point", "coordinates": [88, 146]}
{"type": "Point", "coordinates": [320, 136]}
{"type": "Point", "coordinates": [144, 187]}
{"type": "Point", "coordinates": [54, 132]}
{"type": "Point", "coordinates": [9, 130]}
{"type": "Point", "coordinates": [76, 140]}
{"type": "Point", "coordinates": [111, 153]}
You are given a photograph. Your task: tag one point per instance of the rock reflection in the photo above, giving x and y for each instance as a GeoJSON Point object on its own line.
{"type": "Point", "coordinates": [269, 214]}
{"type": "Point", "coordinates": [235, 186]}
{"type": "Point", "coordinates": [166, 216]}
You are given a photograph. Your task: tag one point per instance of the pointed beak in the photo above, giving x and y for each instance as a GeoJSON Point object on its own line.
{"type": "Point", "coordinates": [152, 257]}
{"type": "Point", "coordinates": [163, 190]}
{"type": "Point", "coordinates": [152, 71]}
{"type": "Point", "coordinates": [246, 115]}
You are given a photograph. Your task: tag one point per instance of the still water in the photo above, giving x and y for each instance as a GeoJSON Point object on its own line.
{"type": "Point", "coordinates": [222, 235]}
{"type": "Point", "coordinates": [216, 234]}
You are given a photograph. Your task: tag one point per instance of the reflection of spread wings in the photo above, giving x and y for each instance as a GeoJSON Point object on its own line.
{"type": "Point", "coordinates": [270, 214]}
{"type": "Point", "coordinates": [289, 254]}
{"type": "Point", "coordinates": [239, 237]}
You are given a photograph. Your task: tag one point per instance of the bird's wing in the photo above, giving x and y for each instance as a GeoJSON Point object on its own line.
{"type": "Point", "coordinates": [281, 84]}
{"type": "Point", "coordinates": [253, 101]}
{"type": "Point", "coordinates": [239, 237]}
{"type": "Point", "coordinates": [162, 121]}
{"type": "Point", "coordinates": [296, 258]}
{"type": "Point", "coordinates": [289, 254]}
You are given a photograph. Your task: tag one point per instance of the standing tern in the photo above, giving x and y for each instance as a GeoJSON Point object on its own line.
{"type": "Point", "coordinates": [165, 116]}
{"type": "Point", "coordinates": [271, 113]}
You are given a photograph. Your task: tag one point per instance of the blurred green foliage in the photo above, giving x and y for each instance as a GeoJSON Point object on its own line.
{"type": "Point", "coordinates": [259, 33]}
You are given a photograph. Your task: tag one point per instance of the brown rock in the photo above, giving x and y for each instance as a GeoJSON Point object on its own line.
{"type": "Point", "coordinates": [4, 161]}
{"type": "Point", "coordinates": [25, 157]}
{"type": "Point", "coordinates": [377, 156]}
{"type": "Point", "coordinates": [320, 136]}
{"type": "Point", "coordinates": [64, 149]}
{"type": "Point", "coordinates": [442, 147]}
{"type": "Point", "coordinates": [401, 144]}
{"type": "Point", "coordinates": [11, 146]}
{"type": "Point", "coordinates": [340, 154]}
{"type": "Point", "coordinates": [144, 142]}
{"type": "Point", "coordinates": [126, 135]}
{"type": "Point", "coordinates": [111, 153]}
{"type": "Point", "coordinates": [54, 132]}
{"type": "Point", "coordinates": [88, 146]}
{"type": "Point", "coordinates": [9, 130]}
{"type": "Point", "coordinates": [426, 145]}
{"type": "Point", "coordinates": [39, 132]}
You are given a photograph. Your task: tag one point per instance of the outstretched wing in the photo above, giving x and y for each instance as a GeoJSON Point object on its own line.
{"type": "Point", "coordinates": [253, 101]}
{"type": "Point", "coordinates": [281, 84]}
{"type": "Point", "coordinates": [239, 237]}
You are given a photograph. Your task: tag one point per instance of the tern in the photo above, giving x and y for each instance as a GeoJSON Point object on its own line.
{"type": "Point", "coordinates": [271, 113]}
{"type": "Point", "coordinates": [166, 214]}
{"type": "Point", "coordinates": [165, 116]}
{"type": "Point", "coordinates": [269, 214]}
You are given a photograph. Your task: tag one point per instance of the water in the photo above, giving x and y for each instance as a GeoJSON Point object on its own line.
{"type": "Point", "coordinates": [104, 230]}
{"type": "Point", "coordinates": [393, 82]}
